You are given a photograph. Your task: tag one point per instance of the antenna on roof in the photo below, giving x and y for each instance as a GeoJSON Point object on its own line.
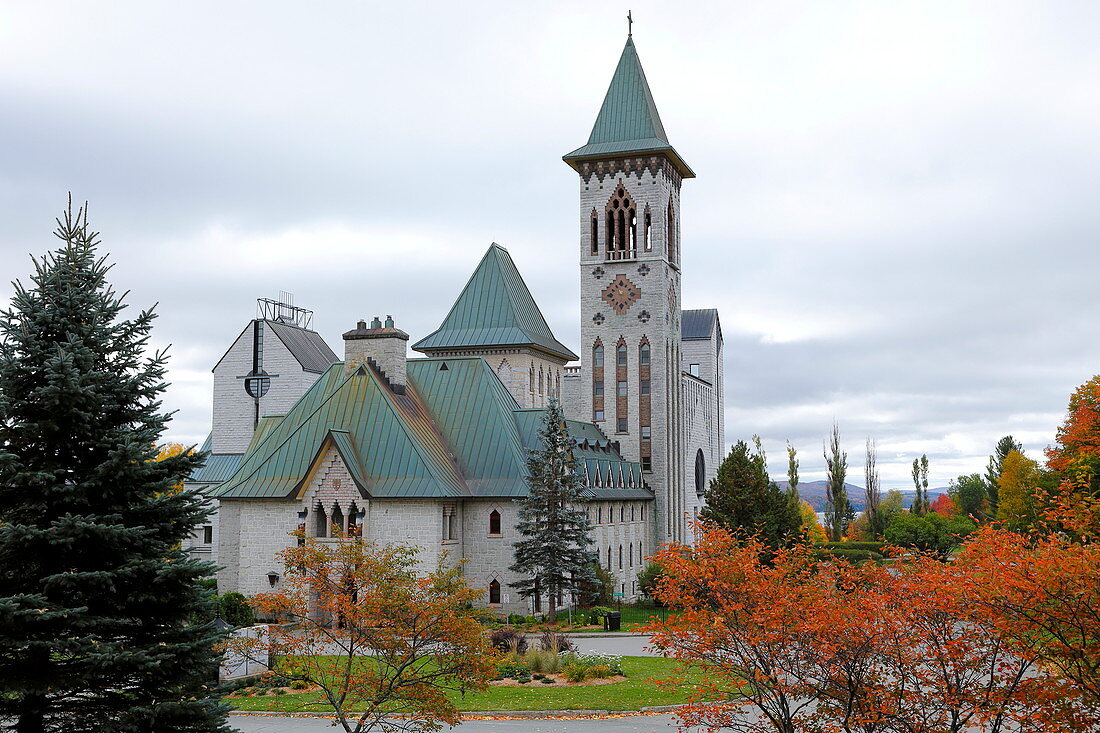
{"type": "Point", "coordinates": [629, 25]}
{"type": "Point", "coordinates": [283, 310]}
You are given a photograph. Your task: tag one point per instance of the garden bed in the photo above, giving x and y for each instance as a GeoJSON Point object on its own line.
{"type": "Point", "coordinates": [637, 690]}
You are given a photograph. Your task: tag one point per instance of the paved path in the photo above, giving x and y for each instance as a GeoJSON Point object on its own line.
{"type": "Point", "coordinates": [630, 724]}
{"type": "Point", "coordinates": [624, 646]}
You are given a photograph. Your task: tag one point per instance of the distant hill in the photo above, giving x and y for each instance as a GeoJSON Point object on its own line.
{"type": "Point", "coordinates": [813, 492]}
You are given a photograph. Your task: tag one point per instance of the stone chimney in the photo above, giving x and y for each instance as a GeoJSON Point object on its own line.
{"type": "Point", "coordinates": [380, 345]}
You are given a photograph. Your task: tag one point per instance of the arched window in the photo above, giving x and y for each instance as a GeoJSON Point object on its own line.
{"type": "Point", "coordinates": [646, 224]}
{"type": "Point", "coordinates": [540, 380]}
{"type": "Point", "coordinates": [531, 380]}
{"type": "Point", "coordinates": [594, 245]}
{"type": "Point", "coordinates": [630, 554]}
{"type": "Point", "coordinates": [494, 591]}
{"type": "Point", "coordinates": [494, 522]}
{"type": "Point", "coordinates": [620, 557]}
{"type": "Point", "coordinates": [643, 354]}
{"type": "Point", "coordinates": [599, 514]}
{"type": "Point", "coordinates": [609, 557]}
{"type": "Point", "coordinates": [597, 354]}
{"type": "Point", "coordinates": [700, 473]}
{"type": "Point", "coordinates": [321, 522]}
{"type": "Point", "coordinates": [354, 530]}
{"type": "Point", "coordinates": [620, 354]}
{"type": "Point", "coordinates": [337, 518]}
{"type": "Point", "coordinates": [557, 385]}
{"type": "Point", "coordinates": [622, 512]}
{"type": "Point", "coordinates": [622, 226]}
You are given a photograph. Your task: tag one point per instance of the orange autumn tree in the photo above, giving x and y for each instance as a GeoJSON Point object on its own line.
{"type": "Point", "coordinates": [384, 641]}
{"type": "Point", "coordinates": [793, 644]}
{"type": "Point", "coordinates": [1044, 596]}
{"type": "Point", "coordinates": [1075, 504]}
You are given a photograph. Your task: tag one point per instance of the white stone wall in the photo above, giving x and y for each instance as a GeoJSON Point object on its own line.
{"type": "Point", "coordinates": [234, 410]}
{"type": "Point", "coordinates": [389, 353]}
{"type": "Point", "coordinates": [626, 525]}
{"type": "Point", "coordinates": [702, 433]}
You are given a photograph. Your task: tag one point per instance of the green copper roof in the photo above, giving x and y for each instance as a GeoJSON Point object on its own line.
{"type": "Point", "coordinates": [456, 432]}
{"type": "Point", "coordinates": [628, 122]}
{"type": "Point", "coordinates": [494, 309]}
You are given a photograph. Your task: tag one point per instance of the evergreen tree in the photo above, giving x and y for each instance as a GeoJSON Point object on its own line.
{"type": "Point", "coordinates": [95, 587]}
{"type": "Point", "coordinates": [553, 554]}
{"type": "Point", "coordinates": [838, 510]}
{"type": "Point", "coordinates": [993, 470]}
{"type": "Point", "coordinates": [743, 498]}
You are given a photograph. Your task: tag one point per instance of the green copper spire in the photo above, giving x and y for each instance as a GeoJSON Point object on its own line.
{"type": "Point", "coordinates": [628, 122]}
{"type": "Point", "coordinates": [494, 309]}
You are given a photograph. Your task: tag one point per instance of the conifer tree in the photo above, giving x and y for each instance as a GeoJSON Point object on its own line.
{"type": "Point", "coordinates": [838, 510]}
{"type": "Point", "coordinates": [993, 470]}
{"type": "Point", "coordinates": [553, 555]}
{"type": "Point", "coordinates": [95, 588]}
{"type": "Point", "coordinates": [792, 472]}
{"type": "Point", "coordinates": [743, 499]}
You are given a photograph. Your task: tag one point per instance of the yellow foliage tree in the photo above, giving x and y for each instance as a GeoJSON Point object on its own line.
{"type": "Point", "coordinates": [168, 450]}
{"type": "Point", "coordinates": [813, 529]}
{"type": "Point", "coordinates": [1019, 486]}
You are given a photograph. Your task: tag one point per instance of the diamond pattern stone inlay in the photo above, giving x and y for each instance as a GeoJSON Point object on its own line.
{"type": "Point", "coordinates": [621, 294]}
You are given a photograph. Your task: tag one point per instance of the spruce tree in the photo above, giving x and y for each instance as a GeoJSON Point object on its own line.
{"type": "Point", "coordinates": [744, 499]}
{"type": "Point", "coordinates": [1005, 445]}
{"type": "Point", "coordinates": [96, 591]}
{"type": "Point", "coordinates": [553, 555]}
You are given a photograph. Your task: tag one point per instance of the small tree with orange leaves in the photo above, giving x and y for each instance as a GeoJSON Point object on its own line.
{"type": "Point", "coordinates": [383, 640]}
{"type": "Point", "coordinates": [793, 645]}
{"type": "Point", "coordinates": [1076, 459]}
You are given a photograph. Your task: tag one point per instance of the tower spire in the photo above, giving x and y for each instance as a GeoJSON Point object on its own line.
{"type": "Point", "coordinates": [629, 25]}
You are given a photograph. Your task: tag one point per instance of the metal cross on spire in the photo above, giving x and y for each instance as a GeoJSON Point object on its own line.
{"type": "Point", "coordinates": [629, 25]}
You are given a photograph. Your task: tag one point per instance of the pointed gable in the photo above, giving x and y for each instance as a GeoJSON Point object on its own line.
{"type": "Point", "coordinates": [494, 309]}
{"type": "Point", "coordinates": [628, 122]}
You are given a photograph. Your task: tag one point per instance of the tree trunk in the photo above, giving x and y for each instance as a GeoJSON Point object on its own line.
{"type": "Point", "coordinates": [32, 717]}
{"type": "Point", "coordinates": [553, 615]}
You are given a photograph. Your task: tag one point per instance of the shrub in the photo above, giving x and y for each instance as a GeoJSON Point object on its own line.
{"type": "Point", "coordinates": [234, 608]}
{"type": "Point", "coordinates": [546, 681]}
{"type": "Point", "coordinates": [515, 619]}
{"type": "Point", "coordinates": [299, 685]}
{"type": "Point", "coordinates": [649, 578]}
{"type": "Point", "coordinates": [508, 640]}
{"type": "Point", "coordinates": [869, 546]}
{"type": "Point", "coordinates": [575, 672]}
{"type": "Point", "coordinates": [853, 556]}
{"type": "Point", "coordinates": [598, 671]}
{"type": "Point", "coordinates": [557, 643]}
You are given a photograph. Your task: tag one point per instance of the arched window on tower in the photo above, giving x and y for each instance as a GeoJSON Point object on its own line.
{"type": "Point", "coordinates": [620, 354]}
{"type": "Point", "coordinates": [621, 241]}
{"type": "Point", "coordinates": [594, 245]}
{"type": "Point", "coordinates": [647, 223]}
{"type": "Point", "coordinates": [700, 473]}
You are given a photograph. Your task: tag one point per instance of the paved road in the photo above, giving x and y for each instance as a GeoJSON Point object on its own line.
{"type": "Point", "coordinates": [631, 724]}
{"type": "Point", "coordinates": [625, 646]}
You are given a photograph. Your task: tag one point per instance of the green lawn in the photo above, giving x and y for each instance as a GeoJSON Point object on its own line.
{"type": "Point", "coordinates": [638, 690]}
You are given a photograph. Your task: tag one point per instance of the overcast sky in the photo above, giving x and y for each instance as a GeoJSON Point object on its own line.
{"type": "Point", "coordinates": [896, 208]}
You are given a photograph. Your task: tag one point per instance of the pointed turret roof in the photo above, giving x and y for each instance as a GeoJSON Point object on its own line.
{"type": "Point", "coordinates": [494, 309]}
{"type": "Point", "coordinates": [628, 122]}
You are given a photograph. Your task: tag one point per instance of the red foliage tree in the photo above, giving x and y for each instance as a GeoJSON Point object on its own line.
{"type": "Point", "coordinates": [1076, 458]}
{"type": "Point", "coordinates": [945, 507]}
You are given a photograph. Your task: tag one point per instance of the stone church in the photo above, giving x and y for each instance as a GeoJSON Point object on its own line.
{"type": "Point", "coordinates": [431, 450]}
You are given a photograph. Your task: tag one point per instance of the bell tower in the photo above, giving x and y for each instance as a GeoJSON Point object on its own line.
{"type": "Point", "coordinates": [630, 178]}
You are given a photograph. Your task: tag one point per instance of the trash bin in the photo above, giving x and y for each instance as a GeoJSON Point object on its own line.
{"type": "Point", "coordinates": [612, 621]}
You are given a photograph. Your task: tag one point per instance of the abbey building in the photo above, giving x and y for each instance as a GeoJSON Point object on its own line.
{"type": "Point", "coordinates": [431, 450]}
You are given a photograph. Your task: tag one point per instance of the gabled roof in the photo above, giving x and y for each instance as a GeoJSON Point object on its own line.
{"type": "Point", "coordinates": [628, 122]}
{"type": "Point", "coordinates": [307, 347]}
{"type": "Point", "coordinates": [494, 309]}
{"type": "Point", "coordinates": [395, 455]}
{"type": "Point", "coordinates": [699, 324]}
